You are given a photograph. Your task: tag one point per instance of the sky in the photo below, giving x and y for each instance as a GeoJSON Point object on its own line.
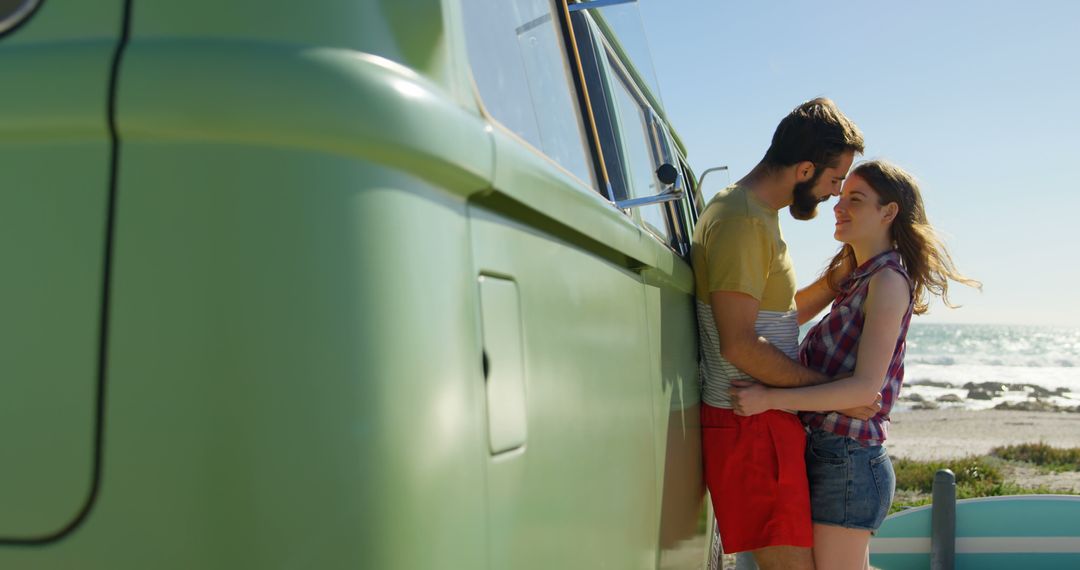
{"type": "Point", "coordinates": [980, 100]}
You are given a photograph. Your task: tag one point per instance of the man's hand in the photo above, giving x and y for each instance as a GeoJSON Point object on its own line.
{"type": "Point", "coordinates": [841, 271]}
{"type": "Point", "coordinates": [749, 398]}
{"type": "Point", "coordinates": [864, 412]}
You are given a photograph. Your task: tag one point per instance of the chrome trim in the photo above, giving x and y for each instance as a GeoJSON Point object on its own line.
{"type": "Point", "coordinates": [674, 192]}
{"type": "Point", "coordinates": [610, 192]}
{"type": "Point", "coordinates": [708, 170]}
{"type": "Point", "coordinates": [597, 4]}
{"type": "Point", "coordinates": [649, 200]}
{"type": "Point", "coordinates": [17, 16]}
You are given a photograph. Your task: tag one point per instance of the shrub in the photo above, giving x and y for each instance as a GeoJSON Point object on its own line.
{"type": "Point", "coordinates": [969, 491]}
{"type": "Point", "coordinates": [1041, 454]}
{"type": "Point", "coordinates": [975, 472]}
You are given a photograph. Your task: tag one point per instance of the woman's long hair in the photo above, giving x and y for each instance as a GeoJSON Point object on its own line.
{"type": "Point", "coordinates": [924, 255]}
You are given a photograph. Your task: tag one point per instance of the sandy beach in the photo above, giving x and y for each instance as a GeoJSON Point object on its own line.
{"type": "Point", "coordinates": [946, 433]}
{"type": "Point", "coordinates": [951, 433]}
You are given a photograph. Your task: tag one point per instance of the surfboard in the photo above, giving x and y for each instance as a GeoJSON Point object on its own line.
{"type": "Point", "coordinates": [1017, 531]}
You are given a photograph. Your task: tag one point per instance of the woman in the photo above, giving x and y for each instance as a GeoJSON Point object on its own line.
{"type": "Point", "coordinates": [899, 264]}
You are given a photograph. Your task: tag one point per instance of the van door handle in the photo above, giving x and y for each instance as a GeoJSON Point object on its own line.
{"type": "Point", "coordinates": [504, 363]}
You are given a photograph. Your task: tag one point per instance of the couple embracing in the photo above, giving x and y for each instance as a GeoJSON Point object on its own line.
{"type": "Point", "coordinates": [792, 434]}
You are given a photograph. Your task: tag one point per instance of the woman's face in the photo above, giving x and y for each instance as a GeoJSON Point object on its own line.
{"type": "Point", "coordinates": [859, 215]}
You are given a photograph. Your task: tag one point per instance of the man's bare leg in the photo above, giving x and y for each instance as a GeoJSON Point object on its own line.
{"type": "Point", "coordinates": [784, 558]}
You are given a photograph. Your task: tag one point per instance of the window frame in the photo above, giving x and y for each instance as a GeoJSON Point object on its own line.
{"type": "Point", "coordinates": [596, 110]}
{"type": "Point", "coordinates": [658, 137]}
{"type": "Point", "coordinates": [581, 112]}
{"type": "Point", "coordinates": [648, 123]}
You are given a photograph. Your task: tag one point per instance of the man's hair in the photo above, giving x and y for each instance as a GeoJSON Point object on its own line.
{"type": "Point", "coordinates": [815, 131]}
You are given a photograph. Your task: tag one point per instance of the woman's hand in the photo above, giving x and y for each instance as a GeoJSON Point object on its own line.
{"type": "Point", "coordinates": [864, 412]}
{"type": "Point", "coordinates": [749, 398]}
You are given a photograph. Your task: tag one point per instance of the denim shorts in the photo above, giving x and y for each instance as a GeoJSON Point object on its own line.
{"type": "Point", "coordinates": [851, 485]}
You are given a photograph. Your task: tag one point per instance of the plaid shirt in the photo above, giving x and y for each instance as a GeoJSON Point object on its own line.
{"type": "Point", "coordinates": [832, 345]}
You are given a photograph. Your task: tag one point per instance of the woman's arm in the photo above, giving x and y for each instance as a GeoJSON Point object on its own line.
{"type": "Point", "coordinates": [886, 303]}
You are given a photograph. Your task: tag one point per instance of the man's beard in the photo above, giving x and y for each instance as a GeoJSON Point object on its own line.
{"type": "Point", "coordinates": [804, 204]}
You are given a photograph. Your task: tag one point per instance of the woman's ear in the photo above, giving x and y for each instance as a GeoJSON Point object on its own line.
{"type": "Point", "coordinates": [890, 211]}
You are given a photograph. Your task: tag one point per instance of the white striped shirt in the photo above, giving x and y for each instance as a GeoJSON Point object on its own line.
{"type": "Point", "coordinates": [781, 329]}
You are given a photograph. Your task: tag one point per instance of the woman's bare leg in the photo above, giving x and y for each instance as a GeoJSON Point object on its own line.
{"type": "Point", "coordinates": [840, 548]}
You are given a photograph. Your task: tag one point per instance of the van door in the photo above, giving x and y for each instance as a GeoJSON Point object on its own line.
{"type": "Point", "coordinates": [635, 142]}
{"type": "Point", "coordinates": [56, 156]}
{"type": "Point", "coordinates": [571, 459]}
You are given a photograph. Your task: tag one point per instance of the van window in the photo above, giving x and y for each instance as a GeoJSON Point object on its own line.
{"type": "Point", "coordinates": [520, 67]}
{"type": "Point", "coordinates": [641, 160]}
{"type": "Point", "coordinates": [590, 47]}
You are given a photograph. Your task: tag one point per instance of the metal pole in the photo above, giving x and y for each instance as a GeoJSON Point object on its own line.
{"type": "Point", "coordinates": [708, 170]}
{"type": "Point", "coordinates": [943, 522]}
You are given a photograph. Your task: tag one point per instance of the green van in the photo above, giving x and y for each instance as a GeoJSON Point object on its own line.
{"type": "Point", "coordinates": [380, 284]}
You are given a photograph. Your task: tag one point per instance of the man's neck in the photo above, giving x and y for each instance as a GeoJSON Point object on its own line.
{"type": "Point", "coordinates": [772, 187]}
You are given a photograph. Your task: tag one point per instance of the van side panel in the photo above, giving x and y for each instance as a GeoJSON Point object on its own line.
{"type": "Point", "coordinates": [294, 377]}
{"type": "Point", "coordinates": [55, 153]}
{"type": "Point", "coordinates": [326, 246]}
{"type": "Point", "coordinates": [581, 492]}
{"type": "Point", "coordinates": [411, 33]}
{"type": "Point", "coordinates": [305, 198]}
{"type": "Point", "coordinates": [291, 387]}
{"type": "Point", "coordinates": [673, 338]}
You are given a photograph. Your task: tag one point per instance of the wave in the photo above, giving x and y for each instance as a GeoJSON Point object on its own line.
{"type": "Point", "coordinates": [937, 360]}
{"type": "Point", "coordinates": [957, 375]}
{"type": "Point", "coordinates": [1022, 361]}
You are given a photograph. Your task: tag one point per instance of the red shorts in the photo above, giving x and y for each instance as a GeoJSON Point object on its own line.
{"type": "Point", "coordinates": [756, 474]}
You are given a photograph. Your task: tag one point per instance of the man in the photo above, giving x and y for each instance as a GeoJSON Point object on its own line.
{"type": "Point", "coordinates": [748, 318]}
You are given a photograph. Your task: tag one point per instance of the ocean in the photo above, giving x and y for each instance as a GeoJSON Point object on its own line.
{"type": "Point", "coordinates": [988, 366]}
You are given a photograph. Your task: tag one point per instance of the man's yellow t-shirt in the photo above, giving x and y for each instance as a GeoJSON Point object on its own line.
{"type": "Point", "coordinates": [738, 247]}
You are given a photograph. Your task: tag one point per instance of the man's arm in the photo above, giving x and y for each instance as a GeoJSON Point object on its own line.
{"type": "Point", "coordinates": [885, 306]}
{"type": "Point", "coordinates": [813, 298]}
{"type": "Point", "coordinates": [735, 315]}
{"type": "Point", "coordinates": [810, 300]}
